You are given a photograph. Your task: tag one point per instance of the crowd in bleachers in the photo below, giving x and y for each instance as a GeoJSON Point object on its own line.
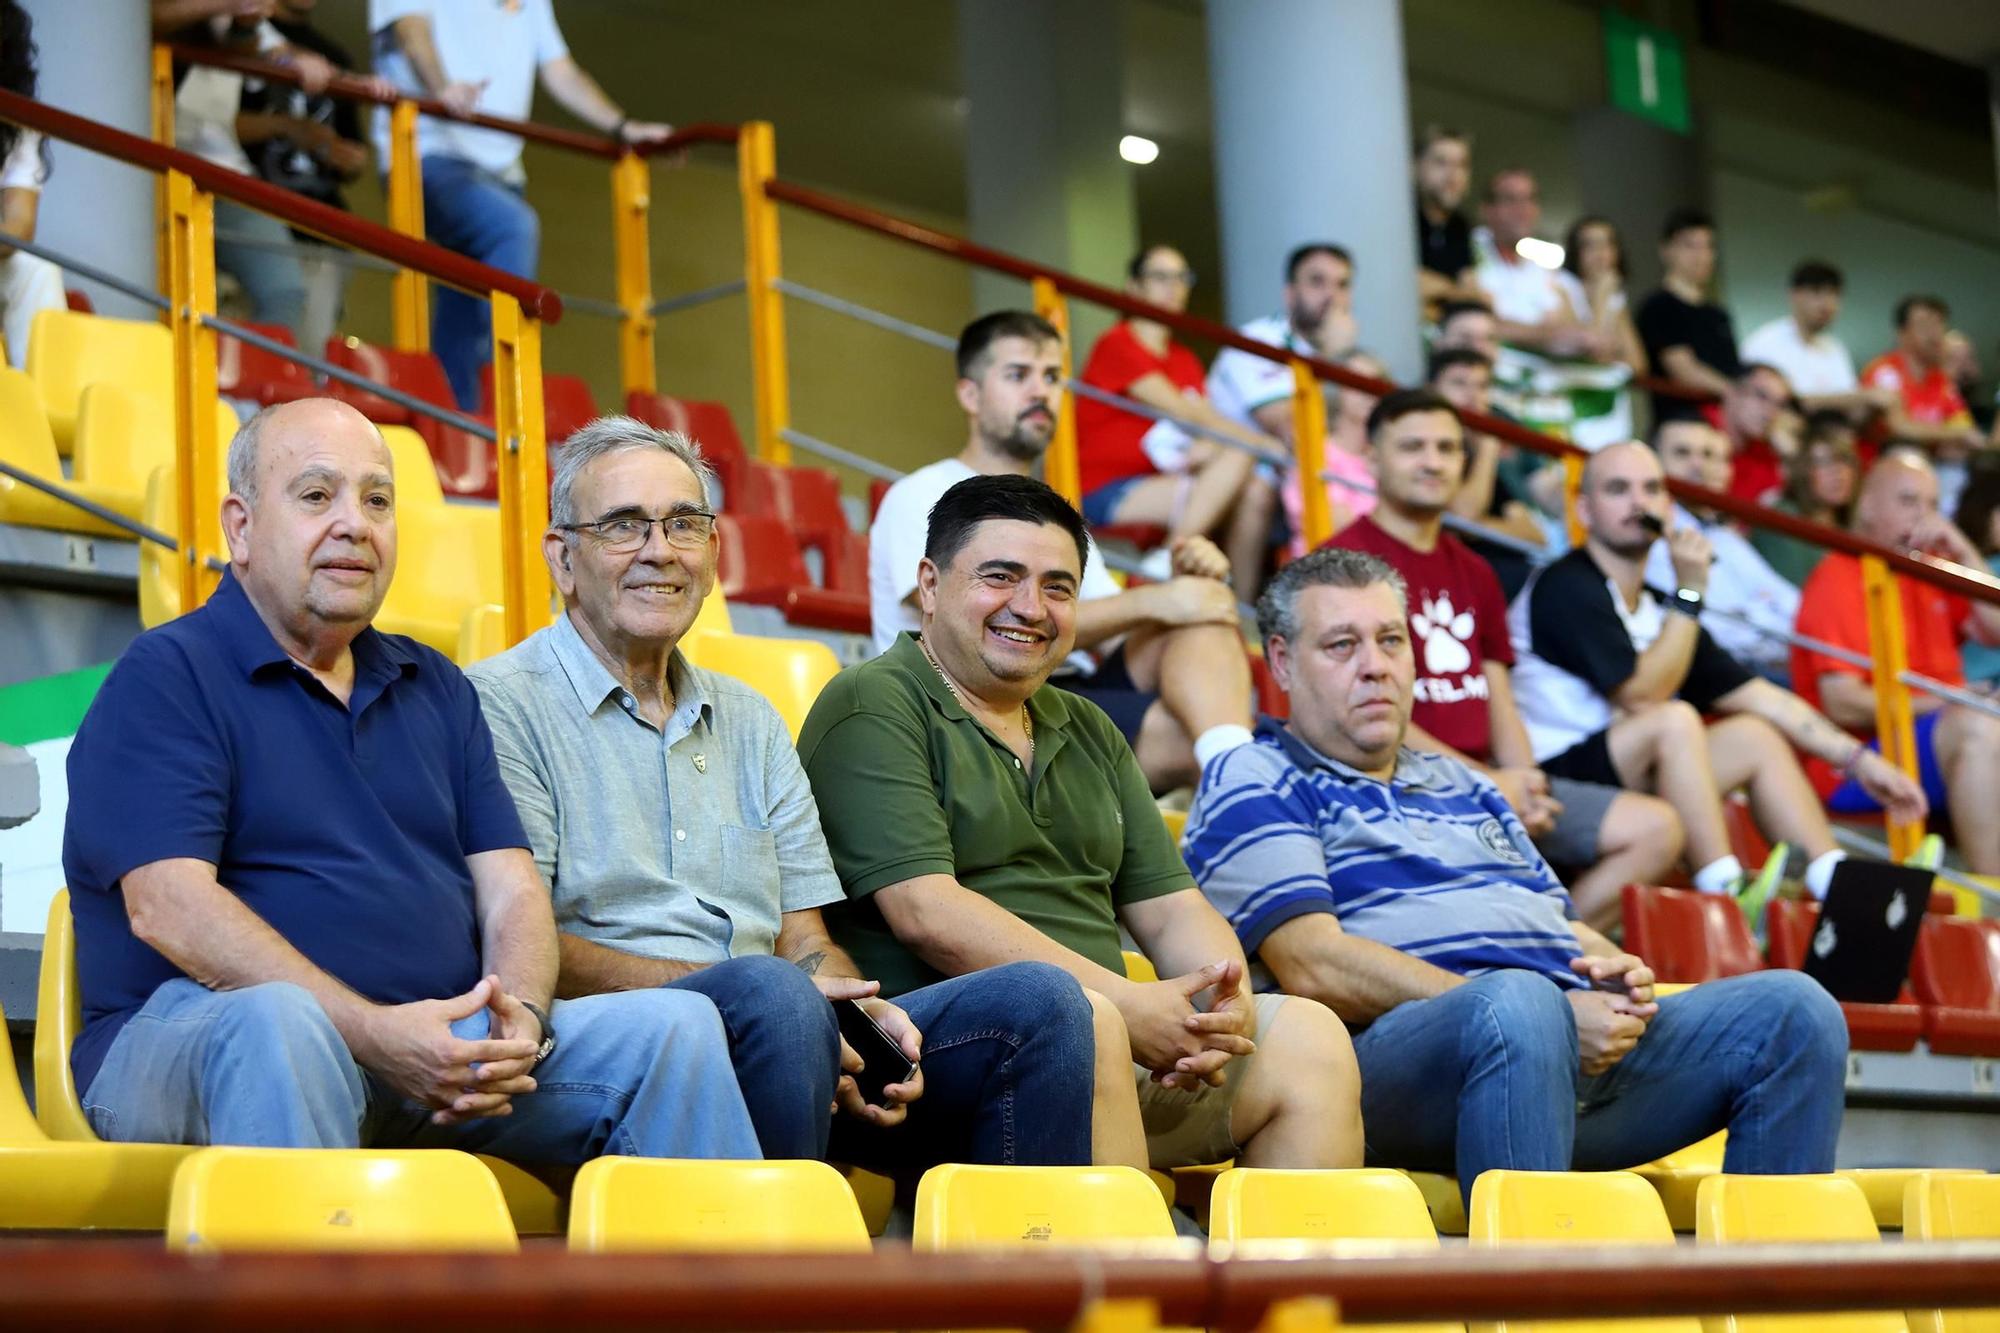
{"type": "Point", "coordinates": [592, 897]}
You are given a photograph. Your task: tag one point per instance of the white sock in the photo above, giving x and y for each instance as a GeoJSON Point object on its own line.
{"type": "Point", "coordinates": [1819, 873]}
{"type": "Point", "coordinates": [1219, 740]}
{"type": "Point", "coordinates": [1721, 875]}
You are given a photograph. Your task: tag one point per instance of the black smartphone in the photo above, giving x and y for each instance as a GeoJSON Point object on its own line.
{"type": "Point", "coordinates": [882, 1060]}
{"type": "Point", "coordinates": [1652, 524]}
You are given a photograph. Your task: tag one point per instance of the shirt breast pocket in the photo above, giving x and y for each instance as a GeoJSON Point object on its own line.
{"type": "Point", "coordinates": [748, 889]}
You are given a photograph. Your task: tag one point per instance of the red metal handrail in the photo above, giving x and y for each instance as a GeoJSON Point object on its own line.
{"type": "Point", "coordinates": [345, 228]}
{"type": "Point", "coordinates": [357, 90]}
{"type": "Point", "coordinates": [1975, 584]}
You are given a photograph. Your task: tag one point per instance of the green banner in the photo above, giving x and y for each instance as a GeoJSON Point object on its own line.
{"type": "Point", "coordinates": [1645, 71]}
{"type": "Point", "coordinates": [48, 708]}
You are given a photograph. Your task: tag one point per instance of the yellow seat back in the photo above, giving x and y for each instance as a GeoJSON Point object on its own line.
{"type": "Point", "coordinates": [17, 1122]}
{"type": "Point", "coordinates": [1887, 1187]}
{"type": "Point", "coordinates": [1952, 1205]}
{"type": "Point", "coordinates": [788, 672]}
{"type": "Point", "coordinates": [431, 1199]}
{"type": "Point", "coordinates": [25, 443]}
{"type": "Point", "coordinates": [1138, 967]}
{"type": "Point", "coordinates": [58, 1018]}
{"type": "Point", "coordinates": [1732, 1210]}
{"type": "Point", "coordinates": [1176, 822]}
{"type": "Point", "coordinates": [1571, 1208]}
{"type": "Point", "coordinates": [122, 436]}
{"type": "Point", "coordinates": [636, 1203]}
{"type": "Point", "coordinates": [417, 485]}
{"type": "Point", "coordinates": [68, 350]}
{"type": "Point", "coordinates": [960, 1206]}
{"type": "Point", "coordinates": [1247, 1203]}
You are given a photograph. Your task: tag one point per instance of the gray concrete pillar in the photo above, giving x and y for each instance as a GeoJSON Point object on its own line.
{"type": "Point", "coordinates": [1636, 173]}
{"type": "Point", "coordinates": [96, 62]}
{"type": "Point", "coordinates": [1043, 178]}
{"type": "Point", "coordinates": [1312, 143]}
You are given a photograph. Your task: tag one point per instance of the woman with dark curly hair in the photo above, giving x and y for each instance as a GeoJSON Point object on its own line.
{"type": "Point", "coordinates": [28, 283]}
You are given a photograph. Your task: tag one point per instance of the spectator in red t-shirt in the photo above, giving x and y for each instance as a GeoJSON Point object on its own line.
{"type": "Point", "coordinates": [1600, 837]}
{"type": "Point", "coordinates": [1758, 416]}
{"type": "Point", "coordinates": [1158, 472]}
{"type": "Point", "coordinates": [1927, 409]}
{"type": "Point", "coordinates": [1958, 748]}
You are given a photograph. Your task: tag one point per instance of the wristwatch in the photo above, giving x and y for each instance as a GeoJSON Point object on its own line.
{"type": "Point", "coordinates": [548, 1046]}
{"type": "Point", "coordinates": [1688, 602]}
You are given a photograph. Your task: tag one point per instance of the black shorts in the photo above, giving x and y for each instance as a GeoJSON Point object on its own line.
{"type": "Point", "coordinates": [1589, 760]}
{"type": "Point", "coordinates": [1110, 687]}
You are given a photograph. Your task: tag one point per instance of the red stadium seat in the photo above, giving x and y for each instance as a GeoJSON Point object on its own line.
{"type": "Point", "coordinates": [807, 499]}
{"type": "Point", "coordinates": [1956, 975]}
{"type": "Point", "coordinates": [1145, 536]}
{"type": "Point", "coordinates": [1870, 1027]}
{"type": "Point", "coordinates": [1746, 840]}
{"type": "Point", "coordinates": [80, 302]}
{"type": "Point", "coordinates": [1686, 936]}
{"type": "Point", "coordinates": [847, 564]}
{"type": "Point", "coordinates": [759, 562]}
{"type": "Point", "coordinates": [243, 371]}
{"type": "Point", "coordinates": [1271, 697]}
{"type": "Point", "coordinates": [877, 488]}
{"type": "Point", "coordinates": [707, 424]}
{"type": "Point", "coordinates": [465, 463]}
{"type": "Point", "coordinates": [567, 404]}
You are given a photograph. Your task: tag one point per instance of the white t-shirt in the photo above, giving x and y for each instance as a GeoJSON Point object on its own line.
{"type": "Point", "coordinates": [1571, 287]}
{"type": "Point", "coordinates": [23, 169]}
{"type": "Point", "coordinates": [1521, 292]}
{"type": "Point", "coordinates": [503, 44]}
{"type": "Point", "coordinates": [1820, 365]}
{"type": "Point", "coordinates": [1239, 383]}
{"type": "Point", "coordinates": [207, 103]}
{"type": "Point", "coordinates": [896, 544]}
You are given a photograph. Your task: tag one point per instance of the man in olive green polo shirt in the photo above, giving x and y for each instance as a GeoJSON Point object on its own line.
{"type": "Point", "coordinates": [978, 816]}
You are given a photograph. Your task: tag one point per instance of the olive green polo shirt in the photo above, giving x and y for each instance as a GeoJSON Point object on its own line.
{"type": "Point", "coordinates": [909, 784]}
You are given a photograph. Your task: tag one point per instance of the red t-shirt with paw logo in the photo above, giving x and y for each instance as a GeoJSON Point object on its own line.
{"type": "Point", "coordinates": [1458, 623]}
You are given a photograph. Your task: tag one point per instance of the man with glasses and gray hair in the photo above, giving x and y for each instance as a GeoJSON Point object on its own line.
{"type": "Point", "coordinates": [1397, 887]}
{"type": "Point", "coordinates": [668, 812]}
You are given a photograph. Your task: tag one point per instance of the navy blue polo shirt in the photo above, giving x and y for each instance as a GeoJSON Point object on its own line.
{"type": "Point", "coordinates": [344, 826]}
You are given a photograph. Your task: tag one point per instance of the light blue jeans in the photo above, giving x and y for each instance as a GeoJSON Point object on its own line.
{"type": "Point", "coordinates": [474, 212]}
{"type": "Point", "coordinates": [1487, 1075]}
{"type": "Point", "coordinates": [269, 271]}
{"type": "Point", "coordinates": [638, 1074]}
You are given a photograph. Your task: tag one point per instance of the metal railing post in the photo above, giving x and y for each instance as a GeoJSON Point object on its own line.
{"type": "Point", "coordinates": [524, 467]}
{"type": "Point", "coordinates": [631, 242]}
{"type": "Point", "coordinates": [757, 165]}
{"type": "Point", "coordinates": [191, 291]}
{"type": "Point", "coordinates": [1894, 724]}
{"type": "Point", "coordinates": [409, 290]}
{"type": "Point", "coordinates": [162, 101]}
{"type": "Point", "coordinates": [1061, 467]}
{"type": "Point", "coordinates": [1309, 453]}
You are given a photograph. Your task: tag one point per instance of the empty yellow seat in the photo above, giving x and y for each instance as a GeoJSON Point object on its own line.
{"type": "Point", "coordinates": [788, 672]}
{"type": "Point", "coordinates": [49, 1185]}
{"type": "Point", "coordinates": [1952, 1205]}
{"type": "Point", "coordinates": [27, 444]}
{"type": "Point", "coordinates": [1886, 1187]}
{"type": "Point", "coordinates": [294, 1199]}
{"type": "Point", "coordinates": [68, 350]}
{"type": "Point", "coordinates": [1176, 822]}
{"type": "Point", "coordinates": [1571, 1208]}
{"type": "Point", "coordinates": [636, 1203]}
{"type": "Point", "coordinates": [1374, 1205]}
{"type": "Point", "coordinates": [1443, 1198]}
{"type": "Point", "coordinates": [122, 436]}
{"type": "Point", "coordinates": [1730, 1210]}
{"type": "Point", "coordinates": [1678, 1176]}
{"type": "Point", "coordinates": [960, 1206]}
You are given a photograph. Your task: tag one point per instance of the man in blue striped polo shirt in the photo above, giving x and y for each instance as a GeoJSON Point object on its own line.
{"type": "Point", "coordinates": [1493, 1028]}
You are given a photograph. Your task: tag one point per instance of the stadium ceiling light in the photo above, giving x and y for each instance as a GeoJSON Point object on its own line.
{"type": "Point", "coordinates": [1137, 149]}
{"type": "Point", "coordinates": [1537, 251]}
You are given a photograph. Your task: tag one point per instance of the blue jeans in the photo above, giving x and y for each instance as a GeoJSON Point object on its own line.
{"type": "Point", "coordinates": [473, 211]}
{"type": "Point", "coordinates": [639, 1074]}
{"type": "Point", "coordinates": [1486, 1075]}
{"type": "Point", "coordinates": [1008, 1065]}
{"type": "Point", "coordinates": [269, 271]}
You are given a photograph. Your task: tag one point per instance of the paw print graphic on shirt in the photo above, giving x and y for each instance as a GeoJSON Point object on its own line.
{"type": "Point", "coordinates": [1443, 634]}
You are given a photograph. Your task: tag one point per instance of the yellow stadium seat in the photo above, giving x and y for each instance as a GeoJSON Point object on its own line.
{"type": "Point", "coordinates": [1571, 1208]}
{"type": "Point", "coordinates": [68, 350]}
{"type": "Point", "coordinates": [1442, 1197]}
{"type": "Point", "coordinates": [1886, 1187]}
{"type": "Point", "coordinates": [536, 1209]}
{"type": "Point", "coordinates": [1678, 1176]}
{"type": "Point", "coordinates": [431, 1199]}
{"type": "Point", "coordinates": [1176, 822]}
{"type": "Point", "coordinates": [960, 1206]}
{"type": "Point", "coordinates": [122, 436]}
{"type": "Point", "coordinates": [1952, 1205]}
{"type": "Point", "coordinates": [874, 1195]}
{"type": "Point", "coordinates": [636, 1203]}
{"type": "Point", "coordinates": [1731, 1210]}
{"type": "Point", "coordinates": [48, 1185]}
{"type": "Point", "coordinates": [1247, 1203]}
{"type": "Point", "coordinates": [1138, 967]}
{"type": "Point", "coordinates": [788, 672]}
{"type": "Point", "coordinates": [25, 443]}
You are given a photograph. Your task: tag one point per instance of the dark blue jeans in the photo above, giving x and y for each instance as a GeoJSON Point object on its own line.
{"type": "Point", "coordinates": [1487, 1076]}
{"type": "Point", "coordinates": [472, 211]}
{"type": "Point", "coordinates": [1008, 1062]}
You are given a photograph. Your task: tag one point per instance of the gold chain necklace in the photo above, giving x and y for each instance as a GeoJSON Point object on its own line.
{"type": "Point", "coordinates": [1027, 723]}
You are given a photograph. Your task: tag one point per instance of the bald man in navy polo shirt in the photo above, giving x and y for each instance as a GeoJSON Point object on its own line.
{"type": "Point", "coordinates": [306, 913]}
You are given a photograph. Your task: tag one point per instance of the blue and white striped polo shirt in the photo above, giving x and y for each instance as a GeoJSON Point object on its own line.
{"type": "Point", "coordinates": [1432, 862]}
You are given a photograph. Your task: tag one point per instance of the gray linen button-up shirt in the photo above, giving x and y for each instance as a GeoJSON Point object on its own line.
{"type": "Point", "coordinates": [687, 843]}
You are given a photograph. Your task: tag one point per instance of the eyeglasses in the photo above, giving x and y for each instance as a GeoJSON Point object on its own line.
{"type": "Point", "coordinates": [688, 530]}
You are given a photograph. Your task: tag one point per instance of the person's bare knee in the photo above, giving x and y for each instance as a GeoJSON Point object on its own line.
{"type": "Point", "coordinates": [1118, 1136]}
{"type": "Point", "coordinates": [1300, 1106]}
{"type": "Point", "coordinates": [1164, 750]}
{"type": "Point", "coordinates": [1645, 827]}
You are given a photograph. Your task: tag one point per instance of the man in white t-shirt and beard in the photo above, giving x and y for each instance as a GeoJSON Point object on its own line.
{"type": "Point", "coordinates": [1166, 660]}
